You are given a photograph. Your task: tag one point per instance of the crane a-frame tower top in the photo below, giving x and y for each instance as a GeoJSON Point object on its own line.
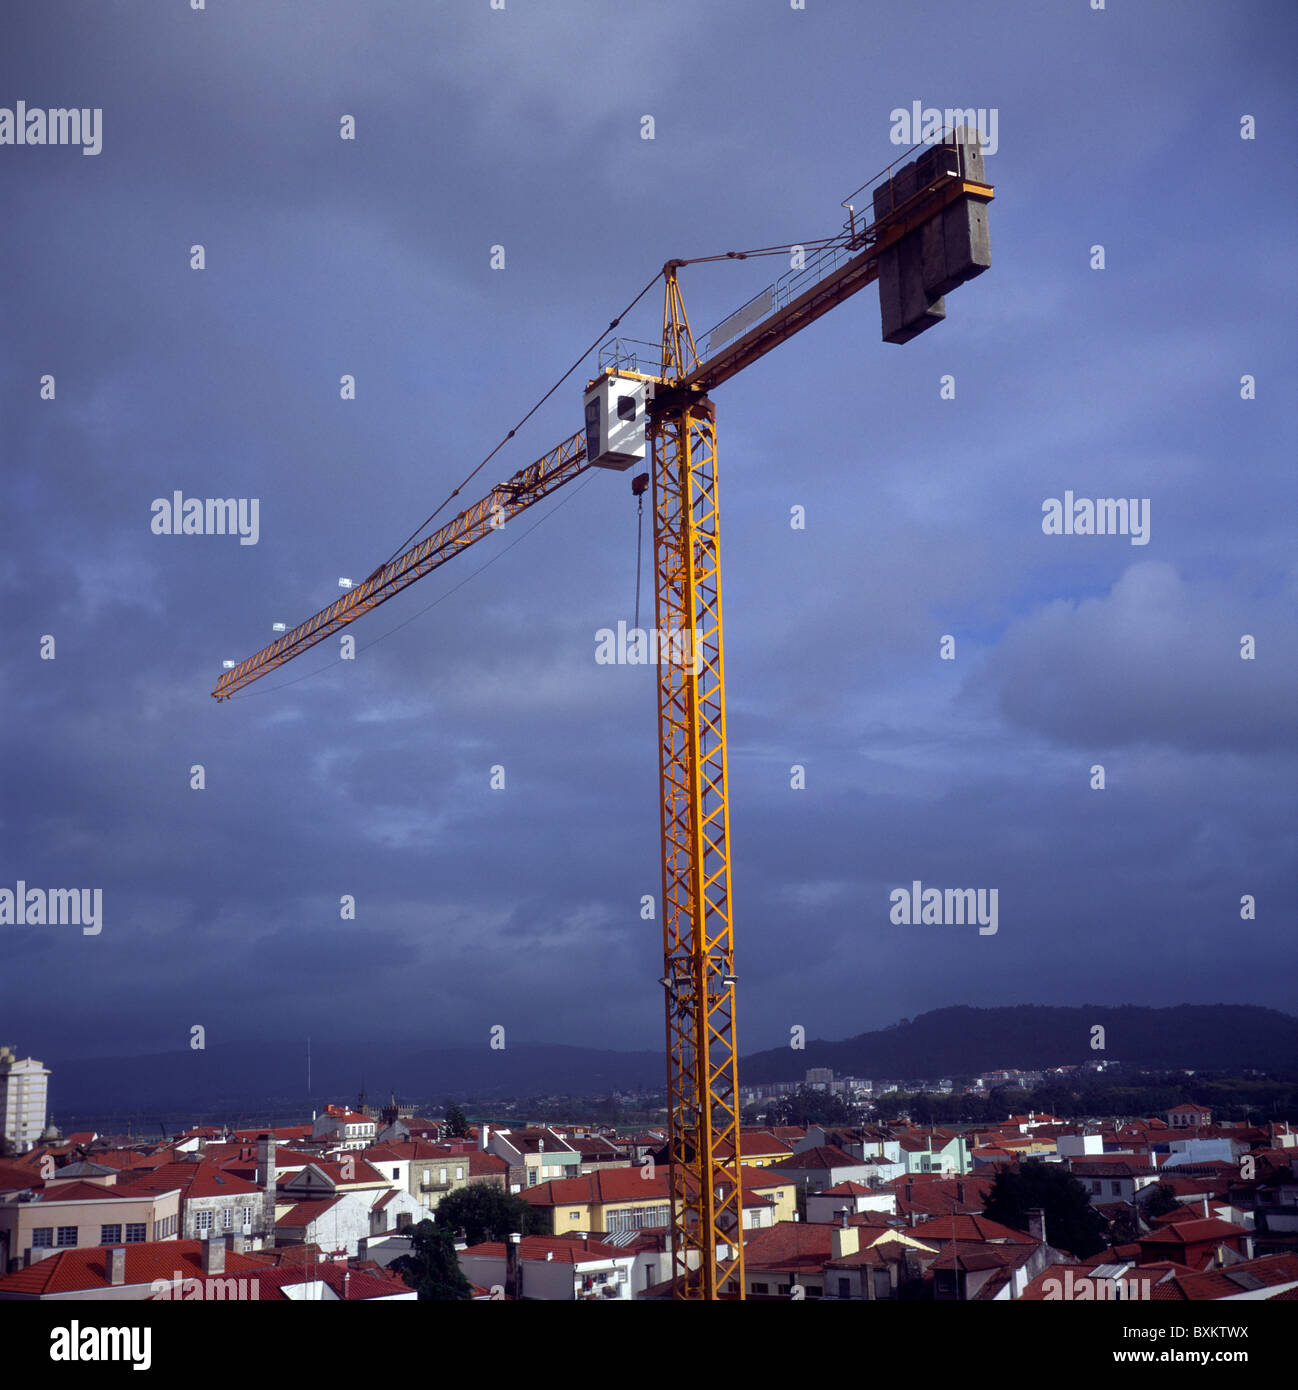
{"type": "Point", "coordinates": [926, 234]}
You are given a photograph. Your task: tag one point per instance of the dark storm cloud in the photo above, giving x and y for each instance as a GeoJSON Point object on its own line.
{"type": "Point", "coordinates": [372, 779]}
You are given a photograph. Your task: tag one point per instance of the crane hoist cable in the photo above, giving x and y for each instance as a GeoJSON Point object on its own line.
{"type": "Point", "coordinates": [639, 537]}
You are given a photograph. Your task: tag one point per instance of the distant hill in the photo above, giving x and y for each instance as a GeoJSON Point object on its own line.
{"type": "Point", "coordinates": [963, 1040]}
{"type": "Point", "coordinates": [258, 1075]}
{"type": "Point", "coordinates": [960, 1040]}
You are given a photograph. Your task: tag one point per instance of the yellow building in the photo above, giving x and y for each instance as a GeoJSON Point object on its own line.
{"type": "Point", "coordinates": [614, 1200]}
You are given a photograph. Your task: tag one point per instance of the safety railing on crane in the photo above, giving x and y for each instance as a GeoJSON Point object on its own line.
{"type": "Point", "coordinates": [857, 234]}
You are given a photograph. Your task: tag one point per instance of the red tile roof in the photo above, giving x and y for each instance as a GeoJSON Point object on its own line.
{"type": "Point", "coordinates": [790, 1245]}
{"type": "Point", "coordinates": [615, 1185]}
{"type": "Point", "coordinates": [350, 1284]}
{"type": "Point", "coordinates": [125, 1159]}
{"type": "Point", "coordinates": [97, 1192]}
{"type": "Point", "coordinates": [969, 1227]}
{"type": "Point", "coordinates": [1193, 1232]}
{"type": "Point", "coordinates": [563, 1251]}
{"type": "Point", "coordinates": [823, 1156]}
{"type": "Point", "coordinates": [72, 1270]}
{"type": "Point", "coordinates": [193, 1180]}
{"type": "Point", "coordinates": [1245, 1277]}
{"type": "Point", "coordinates": [14, 1178]}
{"type": "Point", "coordinates": [301, 1216]}
{"type": "Point", "coordinates": [976, 1256]}
{"type": "Point", "coordinates": [361, 1171]}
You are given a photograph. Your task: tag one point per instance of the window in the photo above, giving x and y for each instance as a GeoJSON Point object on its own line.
{"type": "Point", "coordinates": [1115, 1188]}
{"type": "Point", "coordinates": [761, 1288]}
{"type": "Point", "coordinates": [396, 1172]}
{"type": "Point", "coordinates": [110, 1235]}
{"type": "Point", "coordinates": [203, 1221]}
{"type": "Point", "coordinates": [43, 1237]}
{"type": "Point", "coordinates": [227, 1218]}
{"type": "Point", "coordinates": [459, 1175]}
{"type": "Point", "coordinates": [403, 1220]}
{"type": "Point", "coordinates": [135, 1231]}
{"type": "Point", "coordinates": [626, 407]}
{"type": "Point", "coordinates": [441, 1175]}
{"type": "Point", "coordinates": [1097, 1187]}
{"type": "Point", "coordinates": [637, 1218]}
{"type": "Point", "coordinates": [67, 1235]}
{"type": "Point", "coordinates": [574, 1216]}
{"type": "Point", "coordinates": [844, 1288]}
{"type": "Point", "coordinates": [592, 429]}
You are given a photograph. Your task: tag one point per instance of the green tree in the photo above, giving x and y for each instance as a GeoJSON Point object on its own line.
{"type": "Point", "coordinates": [808, 1107]}
{"type": "Point", "coordinates": [457, 1125]}
{"type": "Point", "coordinates": [432, 1268]}
{"type": "Point", "coordinates": [1071, 1223]}
{"type": "Point", "coordinates": [483, 1211]}
{"type": "Point", "coordinates": [1159, 1202]}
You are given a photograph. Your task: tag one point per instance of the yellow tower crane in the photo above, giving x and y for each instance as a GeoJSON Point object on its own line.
{"type": "Point", "coordinates": [927, 233]}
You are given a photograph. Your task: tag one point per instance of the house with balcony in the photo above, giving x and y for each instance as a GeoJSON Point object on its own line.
{"type": "Point", "coordinates": [436, 1169]}
{"type": "Point", "coordinates": [553, 1269]}
{"type": "Point", "coordinates": [344, 1128]}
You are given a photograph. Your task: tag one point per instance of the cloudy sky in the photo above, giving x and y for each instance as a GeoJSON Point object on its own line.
{"type": "Point", "coordinates": [522, 128]}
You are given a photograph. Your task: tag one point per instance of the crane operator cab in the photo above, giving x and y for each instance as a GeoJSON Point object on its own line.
{"type": "Point", "coordinates": [616, 419]}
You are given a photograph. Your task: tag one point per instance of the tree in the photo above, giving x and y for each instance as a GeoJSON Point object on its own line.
{"type": "Point", "coordinates": [432, 1268]}
{"type": "Point", "coordinates": [808, 1107]}
{"type": "Point", "coordinates": [483, 1211]}
{"type": "Point", "coordinates": [1159, 1202]}
{"type": "Point", "coordinates": [457, 1125]}
{"type": "Point", "coordinates": [1071, 1223]}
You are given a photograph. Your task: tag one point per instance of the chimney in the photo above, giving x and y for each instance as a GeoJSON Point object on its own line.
{"type": "Point", "coordinates": [347, 1284]}
{"type": "Point", "coordinates": [117, 1265]}
{"type": "Point", "coordinates": [846, 1240]}
{"type": "Point", "coordinates": [959, 1193]}
{"type": "Point", "coordinates": [484, 1136]}
{"type": "Point", "coordinates": [1037, 1224]}
{"type": "Point", "coordinates": [1206, 1212]}
{"type": "Point", "coordinates": [513, 1269]}
{"type": "Point", "coordinates": [213, 1255]}
{"type": "Point", "coordinates": [266, 1178]}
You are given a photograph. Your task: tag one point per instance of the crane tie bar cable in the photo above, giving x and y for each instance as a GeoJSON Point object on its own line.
{"type": "Point", "coordinates": [456, 491]}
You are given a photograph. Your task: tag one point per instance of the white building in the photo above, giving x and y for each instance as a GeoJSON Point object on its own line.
{"type": "Point", "coordinates": [339, 1224]}
{"type": "Point", "coordinates": [23, 1087]}
{"type": "Point", "coordinates": [1079, 1145]}
{"type": "Point", "coordinates": [348, 1128]}
{"type": "Point", "coordinates": [554, 1268]}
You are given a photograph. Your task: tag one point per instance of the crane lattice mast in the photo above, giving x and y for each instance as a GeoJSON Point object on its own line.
{"type": "Point", "coordinates": [928, 234]}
